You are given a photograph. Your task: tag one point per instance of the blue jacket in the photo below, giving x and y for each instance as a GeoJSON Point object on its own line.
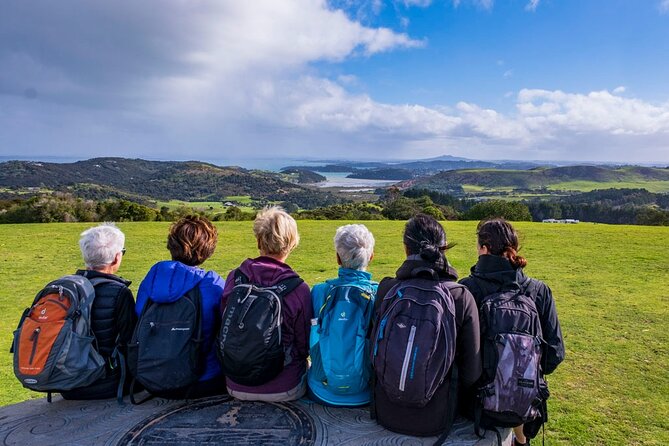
{"type": "Point", "coordinates": [167, 281]}
{"type": "Point", "coordinates": [319, 293]}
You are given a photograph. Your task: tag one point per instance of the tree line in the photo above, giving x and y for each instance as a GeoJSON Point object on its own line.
{"type": "Point", "coordinates": [622, 206]}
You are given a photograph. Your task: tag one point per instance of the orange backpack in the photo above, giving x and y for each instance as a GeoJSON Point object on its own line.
{"type": "Point", "coordinates": [54, 347]}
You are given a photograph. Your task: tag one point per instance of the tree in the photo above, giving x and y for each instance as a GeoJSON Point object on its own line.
{"type": "Point", "coordinates": [508, 210]}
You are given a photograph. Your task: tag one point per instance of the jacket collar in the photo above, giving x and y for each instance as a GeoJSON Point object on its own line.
{"type": "Point", "coordinates": [497, 269]}
{"type": "Point", "coordinates": [411, 267]}
{"type": "Point", "coordinates": [89, 274]}
{"type": "Point", "coordinates": [353, 275]}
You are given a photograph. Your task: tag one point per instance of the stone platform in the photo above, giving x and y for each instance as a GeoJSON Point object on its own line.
{"type": "Point", "coordinates": [207, 421]}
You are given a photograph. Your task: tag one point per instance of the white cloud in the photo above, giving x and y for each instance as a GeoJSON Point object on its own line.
{"type": "Point", "coordinates": [508, 74]}
{"type": "Point", "coordinates": [480, 4]}
{"type": "Point", "coordinates": [418, 3]}
{"type": "Point", "coordinates": [663, 6]}
{"type": "Point", "coordinates": [532, 5]}
{"type": "Point", "coordinates": [214, 79]}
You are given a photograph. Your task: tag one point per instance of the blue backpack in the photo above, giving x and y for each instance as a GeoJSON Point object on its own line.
{"type": "Point", "coordinates": [340, 364]}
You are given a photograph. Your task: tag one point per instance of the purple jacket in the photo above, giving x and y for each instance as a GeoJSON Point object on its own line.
{"type": "Point", "coordinates": [295, 326]}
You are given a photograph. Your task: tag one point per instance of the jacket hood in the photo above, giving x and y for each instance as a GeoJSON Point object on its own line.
{"type": "Point", "coordinates": [413, 267]}
{"type": "Point", "coordinates": [167, 281]}
{"type": "Point", "coordinates": [497, 271]}
{"type": "Point", "coordinates": [266, 270]}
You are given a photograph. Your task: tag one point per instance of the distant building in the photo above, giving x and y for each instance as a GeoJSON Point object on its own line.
{"type": "Point", "coordinates": [564, 220]}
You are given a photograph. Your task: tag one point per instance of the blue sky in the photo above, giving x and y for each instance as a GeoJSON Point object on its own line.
{"type": "Point", "coordinates": [223, 79]}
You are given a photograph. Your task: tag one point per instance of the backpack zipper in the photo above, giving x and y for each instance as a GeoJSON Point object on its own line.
{"type": "Point", "coordinates": [34, 337]}
{"type": "Point", "coordinates": [407, 357]}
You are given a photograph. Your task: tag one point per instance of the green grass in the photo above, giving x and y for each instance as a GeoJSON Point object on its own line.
{"type": "Point", "coordinates": [212, 206]}
{"type": "Point", "coordinates": [609, 282]}
{"type": "Point", "coordinates": [587, 186]}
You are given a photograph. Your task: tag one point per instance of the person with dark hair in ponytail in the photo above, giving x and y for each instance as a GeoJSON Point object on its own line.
{"type": "Point", "coordinates": [499, 267]}
{"type": "Point", "coordinates": [403, 341]}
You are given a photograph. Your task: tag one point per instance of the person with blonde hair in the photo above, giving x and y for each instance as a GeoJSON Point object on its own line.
{"type": "Point", "coordinates": [266, 290]}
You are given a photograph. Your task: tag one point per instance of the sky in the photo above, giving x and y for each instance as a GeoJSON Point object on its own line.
{"type": "Point", "coordinates": [402, 79]}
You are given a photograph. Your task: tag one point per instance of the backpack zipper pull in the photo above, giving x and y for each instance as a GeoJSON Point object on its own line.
{"type": "Point", "coordinates": [60, 293]}
{"type": "Point", "coordinates": [152, 325]}
{"type": "Point", "coordinates": [34, 337]}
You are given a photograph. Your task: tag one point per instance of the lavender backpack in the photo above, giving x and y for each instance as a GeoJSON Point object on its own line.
{"type": "Point", "coordinates": [514, 389]}
{"type": "Point", "coordinates": [414, 341]}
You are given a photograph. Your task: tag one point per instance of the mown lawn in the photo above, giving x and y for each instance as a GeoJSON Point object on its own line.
{"type": "Point", "coordinates": [610, 283]}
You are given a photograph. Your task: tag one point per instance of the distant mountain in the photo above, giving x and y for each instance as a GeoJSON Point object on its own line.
{"type": "Point", "coordinates": [539, 177]}
{"type": "Point", "coordinates": [143, 180]}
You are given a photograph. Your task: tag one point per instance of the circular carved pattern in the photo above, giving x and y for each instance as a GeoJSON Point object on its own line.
{"type": "Point", "coordinates": [223, 420]}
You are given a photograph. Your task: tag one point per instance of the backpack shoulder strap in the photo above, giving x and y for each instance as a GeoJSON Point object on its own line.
{"type": "Point", "coordinates": [285, 287]}
{"type": "Point", "coordinates": [240, 277]}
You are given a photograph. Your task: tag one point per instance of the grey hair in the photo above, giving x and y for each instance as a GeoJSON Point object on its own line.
{"type": "Point", "coordinates": [100, 244]}
{"type": "Point", "coordinates": [355, 246]}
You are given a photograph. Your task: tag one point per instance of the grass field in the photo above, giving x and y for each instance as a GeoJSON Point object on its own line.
{"type": "Point", "coordinates": [244, 201]}
{"type": "Point", "coordinates": [610, 285]}
{"type": "Point", "coordinates": [587, 186]}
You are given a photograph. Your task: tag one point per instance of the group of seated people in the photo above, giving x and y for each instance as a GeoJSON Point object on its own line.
{"type": "Point", "coordinates": [192, 240]}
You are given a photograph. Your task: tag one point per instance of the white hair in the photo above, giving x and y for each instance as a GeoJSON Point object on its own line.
{"type": "Point", "coordinates": [355, 246]}
{"type": "Point", "coordinates": [100, 244]}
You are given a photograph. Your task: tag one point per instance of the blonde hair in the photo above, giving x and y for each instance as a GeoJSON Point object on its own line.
{"type": "Point", "coordinates": [276, 231]}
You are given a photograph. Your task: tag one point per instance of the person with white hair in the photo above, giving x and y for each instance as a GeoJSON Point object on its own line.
{"type": "Point", "coordinates": [113, 316]}
{"type": "Point", "coordinates": [343, 307]}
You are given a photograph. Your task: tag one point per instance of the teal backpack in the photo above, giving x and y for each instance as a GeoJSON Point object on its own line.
{"type": "Point", "coordinates": [340, 366]}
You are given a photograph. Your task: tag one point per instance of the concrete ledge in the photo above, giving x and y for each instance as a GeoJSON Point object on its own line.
{"type": "Point", "coordinates": [208, 421]}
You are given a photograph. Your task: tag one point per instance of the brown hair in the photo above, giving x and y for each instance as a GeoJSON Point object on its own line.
{"type": "Point", "coordinates": [501, 239]}
{"type": "Point", "coordinates": [192, 240]}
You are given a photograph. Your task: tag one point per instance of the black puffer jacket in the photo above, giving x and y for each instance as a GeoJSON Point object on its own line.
{"type": "Point", "coordinates": [491, 273]}
{"type": "Point", "coordinates": [113, 315]}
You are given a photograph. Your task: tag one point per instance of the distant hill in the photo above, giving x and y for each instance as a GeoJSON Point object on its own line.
{"type": "Point", "coordinates": [142, 180]}
{"type": "Point", "coordinates": [404, 170]}
{"type": "Point", "coordinates": [543, 177]}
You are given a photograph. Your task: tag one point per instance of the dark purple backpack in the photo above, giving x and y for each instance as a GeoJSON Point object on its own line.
{"type": "Point", "coordinates": [414, 341]}
{"type": "Point", "coordinates": [513, 391]}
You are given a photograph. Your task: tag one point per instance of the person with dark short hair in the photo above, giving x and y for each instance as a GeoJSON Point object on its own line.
{"type": "Point", "coordinates": [191, 241]}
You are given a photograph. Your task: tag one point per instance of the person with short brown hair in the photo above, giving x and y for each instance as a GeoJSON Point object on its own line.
{"type": "Point", "coordinates": [191, 241]}
{"type": "Point", "coordinates": [276, 234]}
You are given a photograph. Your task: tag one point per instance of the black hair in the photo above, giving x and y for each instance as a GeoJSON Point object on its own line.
{"type": "Point", "coordinates": [423, 235]}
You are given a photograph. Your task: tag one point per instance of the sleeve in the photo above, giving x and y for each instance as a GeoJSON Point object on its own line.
{"type": "Point", "coordinates": [126, 318]}
{"type": "Point", "coordinates": [299, 324]}
{"type": "Point", "coordinates": [227, 289]}
{"type": "Point", "coordinates": [469, 340]}
{"type": "Point", "coordinates": [384, 286]}
{"type": "Point", "coordinates": [550, 326]}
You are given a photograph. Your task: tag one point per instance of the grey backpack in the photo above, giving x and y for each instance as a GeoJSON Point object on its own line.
{"type": "Point", "coordinates": [54, 347]}
{"type": "Point", "coordinates": [514, 390]}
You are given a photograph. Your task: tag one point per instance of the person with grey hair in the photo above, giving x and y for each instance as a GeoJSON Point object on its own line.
{"type": "Point", "coordinates": [340, 366]}
{"type": "Point", "coordinates": [113, 316]}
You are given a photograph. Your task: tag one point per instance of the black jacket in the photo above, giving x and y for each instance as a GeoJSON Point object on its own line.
{"type": "Point", "coordinates": [430, 420]}
{"type": "Point", "coordinates": [113, 315]}
{"type": "Point", "coordinates": [491, 273]}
